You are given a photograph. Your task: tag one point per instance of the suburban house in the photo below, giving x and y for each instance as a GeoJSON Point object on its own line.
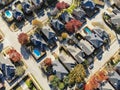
{"type": "Point", "coordinates": [115, 19]}
{"type": "Point", "coordinates": [36, 3]}
{"type": "Point", "coordinates": [26, 8]}
{"type": "Point", "coordinates": [86, 47]}
{"type": "Point", "coordinates": [106, 86]}
{"type": "Point", "coordinates": [18, 15]}
{"type": "Point", "coordinates": [38, 46]}
{"type": "Point", "coordinates": [53, 12]}
{"type": "Point", "coordinates": [89, 7]}
{"type": "Point", "coordinates": [7, 68]}
{"type": "Point", "coordinates": [65, 17]}
{"type": "Point", "coordinates": [59, 69]}
{"type": "Point", "coordinates": [114, 80]}
{"type": "Point", "coordinates": [57, 25]}
{"type": "Point", "coordinates": [94, 39]}
{"type": "Point", "coordinates": [68, 62]}
{"type": "Point", "coordinates": [76, 53]}
{"type": "Point", "coordinates": [101, 33]}
{"type": "Point", "coordinates": [117, 68]}
{"type": "Point", "coordinates": [1, 81]}
{"type": "Point", "coordinates": [79, 14]}
{"type": "Point", "coordinates": [49, 36]}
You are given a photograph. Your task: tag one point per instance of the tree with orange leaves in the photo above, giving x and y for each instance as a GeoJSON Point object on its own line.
{"type": "Point", "coordinates": [23, 38]}
{"type": "Point", "coordinates": [88, 86]}
{"type": "Point", "coordinates": [94, 82]}
{"type": "Point", "coordinates": [102, 75]}
{"type": "Point", "coordinates": [48, 62]}
{"type": "Point", "coordinates": [62, 5]}
{"type": "Point", "coordinates": [14, 55]}
{"type": "Point", "coordinates": [73, 25]}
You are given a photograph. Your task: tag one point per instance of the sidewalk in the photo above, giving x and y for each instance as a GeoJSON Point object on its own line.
{"type": "Point", "coordinates": [98, 64]}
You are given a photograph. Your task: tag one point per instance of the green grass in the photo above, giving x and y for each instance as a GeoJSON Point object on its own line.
{"type": "Point", "coordinates": [19, 88]}
{"type": "Point", "coordinates": [29, 84]}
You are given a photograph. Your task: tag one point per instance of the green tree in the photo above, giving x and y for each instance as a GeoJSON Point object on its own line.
{"type": "Point", "coordinates": [61, 86]}
{"type": "Point", "coordinates": [54, 80]}
{"type": "Point", "coordinates": [19, 71]}
{"type": "Point", "coordinates": [66, 80]}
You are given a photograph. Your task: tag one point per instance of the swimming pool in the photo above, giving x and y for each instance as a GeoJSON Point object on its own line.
{"type": "Point", "coordinates": [36, 52]}
{"type": "Point", "coordinates": [8, 14]}
{"type": "Point", "coordinates": [87, 30]}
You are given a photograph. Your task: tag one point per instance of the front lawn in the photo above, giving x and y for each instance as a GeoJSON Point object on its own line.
{"type": "Point", "coordinates": [30, 84]}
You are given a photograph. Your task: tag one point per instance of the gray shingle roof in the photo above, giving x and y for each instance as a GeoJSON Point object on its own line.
{"type": "Point", "coordinates": [57, 24]}
{"type": "Point", "coordinates": [79, 12]}
{"type": "Point", "coordinates": [114, 79]}
{"type": "Point", "coordinates": [101, 33]}
{"type": "Point", "coordinates": [60, 70]}
{"type": "Point", "coordinates": [69, 63]}
{"type": "Point", "coordinates": [86, 47]}
{"type": "Point", "coordinates": [7, 67]}
{"type": "Point", "coordinates": [48, 32]}
{"type": "Point", "coordinates": [116, 19]}
{"type": "Point", "coordinates": [95, 40]}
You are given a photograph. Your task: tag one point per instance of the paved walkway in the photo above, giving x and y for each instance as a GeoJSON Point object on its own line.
{"type": "Point", "coordinates": [105, 57]}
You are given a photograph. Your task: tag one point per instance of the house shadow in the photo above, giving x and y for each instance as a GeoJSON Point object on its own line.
{"type": "Point", "coordinates": [30, 17]}
{"type": "Point", "coordinates": [99, 54]}
{"type": "Point", "coordinates": [1, 47]}
{"type": "Point", "coordinates": [25, 53]}
{"type": "Point", "coordinates": [40, 12]}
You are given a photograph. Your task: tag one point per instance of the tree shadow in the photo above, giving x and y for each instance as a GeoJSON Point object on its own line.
{"type": "Point", "coordinates": [1, 47]}
{"type": "Point", "coordinates": [25, 52]}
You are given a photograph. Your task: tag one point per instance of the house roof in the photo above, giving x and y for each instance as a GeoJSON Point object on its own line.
{"type": "Point", "coordinates": [37, 39]}
{"type": "Point", "coordinates": [37, 2]}
{"type": "Point", "coordinates": [89, 4]}
{"type": "Point", "coordinates": [57, 24]}
{"type": "Point", "coordinates": [66, 17]}
{"type": "Point", "coordinates": [86, 47]}
{"type": "Point", "coordinates": [7, 67]}
{"type": "Point", "coordinates": [68, 62]}
{"type": "Point", "coordinates": [79, 12]}
{"type": "Point", "coordinates": [114, 79]}
{"type": "Point", "coordinates": [115, 19]}
{"type": "Point", "coordinates": [60, 70]}
{"type": "Point", "coordinates": [101, 33]}
{"type": "Point", "coordinates": [106, 86]}
{"type": "Point", "coordinates": [4, 60]}
{"type": "Point", "coordinates": [76, 53]}
{"type": "Point", "coordinates": [48, 32]}
{"type": "Point", "coordinates": [117, 67]}
{"type": "Point", "coordinates": [94, 39]}
{"type": "Point", "coordinates": [79, 57]}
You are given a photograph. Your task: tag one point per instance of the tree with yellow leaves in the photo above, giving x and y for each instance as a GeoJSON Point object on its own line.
{"type": "Point", "coordinates": [64, 35]}
{"type": "Point", "coordinates": [77, 75]}
{"type": "Point", "coordinates": [37, 23]}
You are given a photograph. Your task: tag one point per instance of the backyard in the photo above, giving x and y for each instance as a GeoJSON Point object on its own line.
{"type": "Point", "coordinates": [25, 84]}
